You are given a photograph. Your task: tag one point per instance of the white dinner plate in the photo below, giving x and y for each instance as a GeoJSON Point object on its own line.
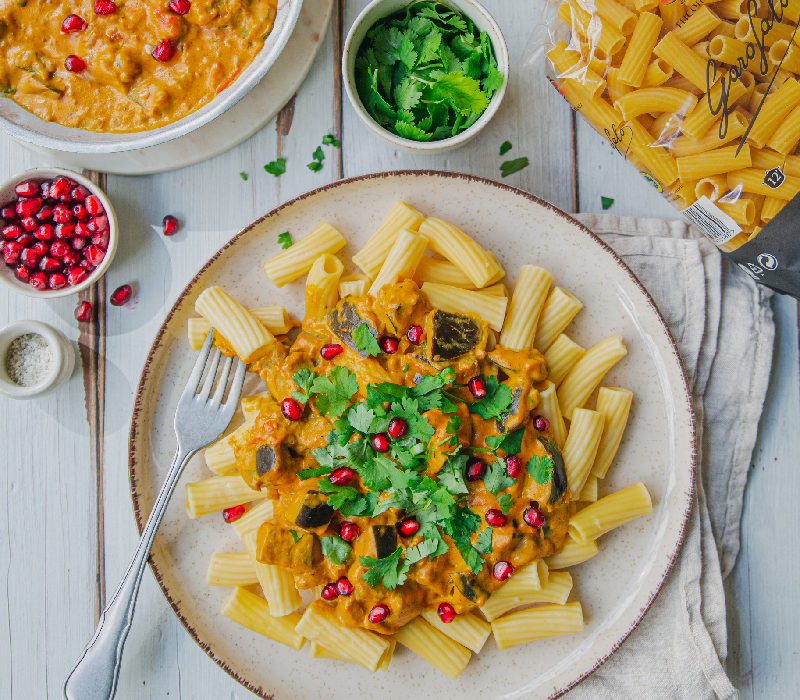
{"type": "Point", "coordinates": [615, 588]}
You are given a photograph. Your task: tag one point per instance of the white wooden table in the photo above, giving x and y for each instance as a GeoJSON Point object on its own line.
{"type": "Point", "coordinates": [66, 522]}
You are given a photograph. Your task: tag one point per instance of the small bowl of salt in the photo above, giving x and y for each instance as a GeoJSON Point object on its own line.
{"type": "Point", "coordinates": [35, 359]}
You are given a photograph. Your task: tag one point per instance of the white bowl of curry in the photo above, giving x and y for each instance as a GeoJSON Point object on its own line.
{"type": "Point", "coordinates": [103, 76]}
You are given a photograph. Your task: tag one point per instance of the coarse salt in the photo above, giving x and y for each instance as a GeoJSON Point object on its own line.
{"type": "Point", "coordinates": [28, 359]}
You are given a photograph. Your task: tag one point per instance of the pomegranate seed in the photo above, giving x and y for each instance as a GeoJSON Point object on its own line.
{"type": "Point", "coordinates": [30, 258]}
{"type": "Point", "coordinates": [79, 242]}
{"type": "Point", "coordinates": [76, 275]}
{"type": "Point", "coordinates": [48, 264]}
{"type": "Point", "coordinates": [38, 280]}
{"type": "Point", "coordinates": [380, 442]}
{"type": "Point", "coordinates": [388, 344]}
{"type": "Point", "coordinates": [72, 23]}
{"type": "Point", "coordinates": [79, 193]}
{"type": "Point", "coordinates": [513, 466]}
{"type": "Point", "coordinates": [41, 247]}
{"type": "Point", "coordinates": [45, 188]}
{"type": "Point", "coordinates": [533, 516]}
{"type": "Point", "coordinates": [541, 423]}
{"type": "Point", "coordinates": [414, 335]}
{"type": "Point", "coordinates": [447, 613]}
{"type": "Point", "coordinates": [58, 249]}
{"type": "Point", "coordinates": [104, 7]}
{"type": "Point", "coordinates": [81, 229]}
{"type": "Point", "coordinates": [163, 52]}
{"type": "Point", "coordinates": [94, 254]}
{"type": "Point", "coordinates": [330, 592]}
{"type": "Point", "coordinates": [348, 531]}
{"type": "Point", "coordinates": [86, 265]}
{"type": "Point", "coordinates": [29, 223]}
{"type": "Point", "coordinates": [331, 350]}
{"type": "Point", "coordinates": [99, 223]}
{"type": "Point", "coordinates": [57, 281]}
{"type": "Point", "coordinates": [45, 232]}
{"type": "Point", "coordinates": [25, 239]}
{"type": "Point", "coordinates": [475, 469]}
{"type": "Point", "coordinates": [344, 587]}
{"type": "Point", "coordinates": [180, 7]}
{"type": "Point", "coordinates": [93, 205]}
{"type": "Point", "coordinates": [9, 211]}
{"type": "Point", "coordinates": [61, 213]}
{"type": "Point", "coordinates": [74, 64]}
{"type": "Point", "coordinates": [23, 273]}
{"type": "Point", "coordinates": [101, 239]}
{"type": "Point", "coordinates": [84, 314]}
{"type": "Point", "coordinates": [29, 188]}
{"type": "Point", "coordinates": [44, 213]}
{"type": "Point", "coordinates": [341, 476]}
{"type": "Point", "coordinates": [12, 252]}
{"type": "Point", "coordinates": [79, 212]}
{"type": "Point", "coordinates": [477, 387]}
{"type": "Point", "coordinates": [121, 295]}
{"type": "Point", "coordinates": [28, 206]}
{"type": "Point", "coordinates": [71, 258]}
{"type": "Point", "coordinates": [12, 231]}
{"type": "Point", "coordinates": [378, 614]}
{"type": "Point", "coordinates": [232, 514]}
{"type": "Point", "coordinates": [408, 527]}
{"type": "Point", "coordinates": [64, 231]}
{"type": "Point", "coordinates": [495, 518]}
{"type": "Point", "coordinates": [60, 188]}
{"type": "Point", "coordinates": [502, 570]}
{"type": "Point", "coordinates": [291, 409]}
{"type": "Point", "coordinates": [397, 428]}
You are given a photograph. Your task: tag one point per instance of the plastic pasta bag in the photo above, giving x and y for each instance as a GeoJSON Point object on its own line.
{"type": "Point", "coordinates": [703, 98]}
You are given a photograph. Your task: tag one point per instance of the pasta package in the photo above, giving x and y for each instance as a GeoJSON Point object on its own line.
{"type": "Point", "coordinates": [703, 98]}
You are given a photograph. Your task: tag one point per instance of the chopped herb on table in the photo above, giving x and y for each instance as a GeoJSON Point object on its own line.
{"type": "Point", "coordinates": [316, 164]}
{"type": "Point", "coordinates": [606, 202]}
{"type": "Point", "coordinates": [425, 73]}
{"type": "Point", "coordinates": [285, 240]}
{"type": "Point", "coordinates": [330, 140]}
{"type": "Point", "coordinates": [276, 167]}
{"type": "Point", "coordinates": [243, 176]}
{"type": "Point", "coordinates": [505, 147]}
{"type": "Point", "coordinates": [510, 167]}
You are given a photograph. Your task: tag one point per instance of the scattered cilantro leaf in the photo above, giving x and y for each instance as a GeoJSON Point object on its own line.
{"type": "Point", "coordinates": [451, 430]}
{"type": "Point", "coordinates": [337, 495]}
{"type": "Point", "coordinates": [390, 571]}
{"type": "Point", "coordinates": [341, 433]}
{"type": "Point", "coordinates": [452, 474]}
{"type": "Point", "coordinates": [303, 379]}
{"type": "Point", "coordinates": [334, 392]}
{"type": "Point", "coordinates": [430, 383]}
{"type": "Point", "coordinates": [318, 155]}
{"type": "Point", "coordinates": [510, 167]}
{"type": "Point", "coordinates": [496, 479]}
{"type": "Point", "coordinates": [606, 202]}
{"type": "Point", "coordinates": [311, 473]}
{"type": "Point", "coordinates": [285, 240]}
{"type": "Point", "coordinates": [365, 341]}
{"type": "Point", "coordinates": [505, 147]}
{"type": "Point", "coordinates": [314, 166]}
{"type": "Point", "coordinates": [363, 505]}
{"type": "Point", "coordinates": [294, 536]}
{"type": "Point", "coordinates": [243, 176]}
{"type": "Point", "coordinates": [361, 417]}
{"type": "Point", "coordinates": [540, 468]}
{"type": "Point", "coordinates": [484, 542]}
{"type": "Point", "coordinates": [429, 49]}
{"type": "Point", "coordinates": [330, 140]}
{"type": "Point", "coordinates": [424, 549]}
{"type": "Point", "coordinates": [495, 403]}
{"type": "Point", "coordinates": [510, 443]}
{"type": "Point", "coordinates": [335, 549]}
{"type": "Point", "coordinates": [505, 501]}
{"type": "Point", "coordinates": [276, 167]}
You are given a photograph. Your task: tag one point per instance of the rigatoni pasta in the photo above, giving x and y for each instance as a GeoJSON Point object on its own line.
{"type": "Point", "coordinates": [294, 262]}
{"type": "Point", "coordinates": [526, 305]}
{"type": "Point", "coordinates": [587, 373]}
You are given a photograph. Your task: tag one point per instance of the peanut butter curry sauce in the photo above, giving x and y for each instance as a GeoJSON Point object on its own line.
{"type": "Point", "coordinates": [139, 66]}
{"type": "Point", "coordinates": [393, 470]}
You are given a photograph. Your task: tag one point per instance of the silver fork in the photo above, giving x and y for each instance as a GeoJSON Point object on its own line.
{"type": "Point", "coordinates": [198, 422]}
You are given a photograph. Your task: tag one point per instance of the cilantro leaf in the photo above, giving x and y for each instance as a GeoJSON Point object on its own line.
{"type": "Point", "coordinates": [492, 82]}
{"type": "Point", "coordinates": [472, 67]}
{"type": "Point", "coordinates": [334, 392]}
{"type": "Point", "coordinates": [311, 473]}
{"type": "Point", "coordinates": [420, 25]}
{"type": "Point", "coordinates": [374, 473]}
{"type": "Point", "coordinates": [606, 202]}
{"type": "Point", "coordinates": [418, 428]}
{"type": "Point", "coordinates": [341, 433]}
{"type": "Point", "coordinates": [510, 443]}
{"type": "Point", "coordinates": [387, 45]}
{"type": "Point", "coordinates": [318, 155]}
{"type": "Point", "coordinates": [505, 501]}
{"type": "Point", "coordinates": [359, 451]}
{"type": "Point", "coordinates": [469, 554]}
{"type": "Point", "coordinates": [365, 341]}
{"type": "Point", "coordinates": [303, 379]}
{"type": "Point", "coordinates": [330, 140]}
{"type": "Point", "coordinates": [390, 570]}
{"type": "Point", "coordinates": [360, 417]}
{"type": "Point", "coordinates": [484, 542]}
{"type": "Point", "coordinates": [276, 167]}
{"type": "Point", "coordinates": [452, 431]}
{"type": "Point", "coordinates": [393, 500]}
{"type": "Point", "coordinates": [363, 505]}
{"type": "Point", "coordinates": [285, 240]}
{"type": "Point", "coordinates": [385, 391]}
{"type": "Point", "coordinates": [337, 495]}
{"type": "Point", "coordinates": [407, 95]}
{"type": "Point", "coordinates": [452, 474]}
{"type": "Point", "coordinates": [314, 166]}
{"type": "Point", "coordinates": [410, 131]}
{"type": "Point", "coordinates": [335, 549]}
{"type": "Point", "coordinates": [424, 549]}
{"type": "Point", "coordinates": [406, 52]}
{"type": "Point", "coordinates": [429, 49]}
{"type": "Point", "coordinates": [430, 383]}
{"type": "Point", "coordinates": [510, 167]}
{"type": "Point", "coordinates": [540, 468]}
{"type": "Point", "coordinates": [243, 176]}
{"type": "Point", "coordinates": [505, 147]}
{"type": "Point", "coordinates": [496, 401]}
{"type": "Point", "coordinates": [462, 92]}
{"type": "Point", "coordinates": [496, 479]}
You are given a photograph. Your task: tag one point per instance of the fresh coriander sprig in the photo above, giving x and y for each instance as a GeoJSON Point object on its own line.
{"type": "Point", "coordinates": [276, 167]}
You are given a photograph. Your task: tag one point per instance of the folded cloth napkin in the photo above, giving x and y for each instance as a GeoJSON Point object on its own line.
{"type": "Point", "coordinates": [722, 324]}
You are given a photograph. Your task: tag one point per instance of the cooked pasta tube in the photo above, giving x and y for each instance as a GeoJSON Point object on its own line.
{"type": "Point", "coordinates": [217, 493]}
{"type": "Point", "coordinates": [496, 290]}
{"type": "Point", "coordinates": [752, 180]}
{"type": "Point", "coordinates": [640, 48]}
{"type": "Point", "coordinates": [322, 286]}
{"type": "Point", "coordinates": [401, 217]}
{"type": "Point", "coordinates": [436, 648]}
{"type": "Point", "coordinates": [615, 405]}
{"type": "Point", "coordinates": [657, 73]}
{"type": "Point", "coordinates": [698, 26]}
{"type": "Point", "coordinates": [441, 272]}
{"type": "Point", "coordinates": [466, 629]}
{"type": "Point", "coordinates": [459, 249]}
{"type": "Point", "coordinates": [297, 260]}
{"type": "Point", "coordinates": [275, 319]}
{"type": "Point", "coordinates": [777, 107]}
{"type": "Point", "coordinates": [549, 408]}
{"type": "Point", "coordinates": [219, 455]}
{"type": "Point", "coordinates": [516, 592]}
{"type": "Point", "coordinates": [402, 260]}
{"type": "Point", "coordinates": [544, 571]}
{"type": "Point", "coordinates": [581, 446]}
{"type": "Point", "coordinates": [537, 623]}
{"type": "Point", "coordinates": [491, 309]}
{"type": "Point", "coordinates": [659, 163]}
{"type": "Point", "coordinates": [558, 311]}
{"type": "Point", "coordinates": [276, 582]}
{"type": "Point", "coordinates": [716, 162]}
{"type": "Point", "coordinates": [561, 356]}
{"type": "Point", "coordinates": [353, 286]}
{"type": "Point", "coordinates": [254, 518]}
{"type": "Point", "coordinates": [526, 305]}
{"type": "Point", "coordinates": [620, 17]}
{"type": "Point", "coordinates": [587, 372]}
{"type": "Point", "coordinates": [655, 99]}
{"type": "Point", "coordinates": [682, 59]}
{"type": "Point", "coordinates": [252, 404]}
{"type": "Point", "coordinates": [784, 139]}
{"type": "Point", "coordinates": [235, 569]}
{"type": "Point", "coordinates": [772, 205]}
{"type": "Point", "coordinates": [574, 553]}
{"type": "Point", "coordinates": [742, 211]}
{"type": "Point", "coordinates": [686, 145]}
{"type": "Point", "coordinates": [247, 609]}
{"type": "Point", "coordinates": [317, 651]}
{"type": "Point", "coordinates": [247, 336]}
{"type": "Point", "coordinates": [609, 512]}
{"type": "Point", "coordinates": [589, 491]}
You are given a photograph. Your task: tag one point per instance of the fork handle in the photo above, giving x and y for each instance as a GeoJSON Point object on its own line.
{"type": "Point", "coordinates": [94, 676]}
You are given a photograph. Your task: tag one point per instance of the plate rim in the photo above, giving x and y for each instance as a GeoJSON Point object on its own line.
{"type": "Point", "coordinates": [145, 374]}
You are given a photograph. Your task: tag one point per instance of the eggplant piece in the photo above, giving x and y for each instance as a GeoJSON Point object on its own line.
{"type": "Point", "coordinates": [470, 589]}
{"type": "Point", "coordinates": [343, 320]}
{"type": "Point", "coordinates": [513, 410]}
{"type": "Point", "coordinates": [452, 335]}
{"type": "Point", "coordinates": [382, 541]}
{"type": "Point", "coordinates": [314, 511]}
{"type": "Point", "coordinates": [558, 478]}
{"type": "Point", "coordinates": [264, 465]}
{"type": "Point", "coordinates": [266, 459]}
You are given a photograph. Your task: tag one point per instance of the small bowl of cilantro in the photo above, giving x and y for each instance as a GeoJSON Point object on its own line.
{"type": "Point", "coordinates": [425, 76]}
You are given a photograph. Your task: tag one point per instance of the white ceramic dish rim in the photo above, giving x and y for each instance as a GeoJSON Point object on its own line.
{"type": "Point", "coordinates": [82, 141]}
{"type": "Point", "coordinates": [63, 359]}
{"type": "Point", "coordinates": [138, 409]}
{"type": "Point", "coordinates": [348, 66]}
{"type": "Point", "coordinates": [7, 275]}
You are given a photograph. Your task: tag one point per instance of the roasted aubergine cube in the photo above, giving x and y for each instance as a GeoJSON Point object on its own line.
{"type": "Point", "coordinates": [311, 511]}
{"type": "Point", "coordinates": [558, 478]}
{"type": "Point", "coordinates": [276, 545]}
{"type": "Point", "coordinates": [452, 335]}
{"type": "Point", "coordinates": [468, 589]}
{"type": "Point", "coordinates": [381, 541]}
{"type": "Point", "coordinates": [264, 465]}
{"type": "Point", "coordinates": [344, 319]}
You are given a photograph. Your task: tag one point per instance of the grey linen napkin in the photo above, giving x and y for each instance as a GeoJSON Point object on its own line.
{"type": "Point", "coordinates": [722, 323]}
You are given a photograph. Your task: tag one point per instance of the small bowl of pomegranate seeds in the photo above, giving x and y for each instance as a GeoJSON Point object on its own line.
{"type": "Point", "coordinates": [58, 233]}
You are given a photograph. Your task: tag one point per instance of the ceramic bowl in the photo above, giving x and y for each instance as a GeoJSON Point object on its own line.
{"type": "Point", "coordinates": [7, 276]}
{"type": "Point", "coordinates": [378, 9]}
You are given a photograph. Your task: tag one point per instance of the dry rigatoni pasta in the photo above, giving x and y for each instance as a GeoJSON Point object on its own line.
{"type": "Point", "coordinates": [436, 648]}
{"type": "Point", "coordinates": [615, 404]}
{"type": "Point", "coordinates": [560, 358]}
{"type": "Point", "coordinates": [581, 447]}
{"type": "Point", "coordinates": [402, 260]}
{"type": "Point", "coordinates": [461, 250]}
{"type": "Point", "coordinates": [490, 308]}
{"type": "Point", "coordinates": [609, 512]}
{"type": "Point", "coordinates": [587, 372]}
{"type": "Point", "coordinates": [217, 493]}
{"type": "Point", "coordinates": [234, 569]}
{"type": "Point", "coordinates": [516, 593]}
{"type": "Point", "coordinates": [297, 260]}
{"type": "Point", "coordinates": [687, 146]}
{"type": "Point", "coordinates": [716, 162]}
{"type": "Point", "coordinates": [698, 26]}
{"type": "Point", "coordinates": [655, 99]}
{"type": "Point", "coordinates": [537, 623]}
{"type": "Point", "coordinates": [401, 217]}
{"type": "Point", "coordinates": [526, 305]}
{"type": "Point", "coordinates": [640, 48]}
{"type": "Point", "coordinates": [574, 553]}
{"type": "Point", "coordinates": [247, 609]}
{"type": "Point", "coordinates": [559, 310]}
{"type": "Point", "coordinates": [752, 180]}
